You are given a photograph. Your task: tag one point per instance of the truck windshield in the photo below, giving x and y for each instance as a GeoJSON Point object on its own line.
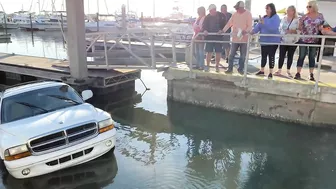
{"type": "Point", "coordinates": [38, 102]}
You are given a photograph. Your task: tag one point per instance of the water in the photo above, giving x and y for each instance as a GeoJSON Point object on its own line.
{"type": "Point", "coordinates": [164, 144]}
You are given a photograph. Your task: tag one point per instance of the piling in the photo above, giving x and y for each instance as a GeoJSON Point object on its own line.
{"type": "Point", "coordinates": [31, 23]}
{"type": "Point", "coordinates": [142, 20]}
{"type": "Point", "coordinates": [123, 16]}
{"type": "Point", "coordinates": [97, 21]}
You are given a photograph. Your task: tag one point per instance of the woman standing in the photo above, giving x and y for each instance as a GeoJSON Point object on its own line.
{"type": "Point", "coordinates": [309, 24]}
{"type": "Point", "coordinates": [289, 25]}
{"type": "Point", "coordinates": [199, 46]}
{"type": "Point", "coordinates": [269, 24]}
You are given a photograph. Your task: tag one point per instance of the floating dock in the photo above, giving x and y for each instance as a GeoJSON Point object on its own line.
{"type": "Point", "coordinates": [101, 79]}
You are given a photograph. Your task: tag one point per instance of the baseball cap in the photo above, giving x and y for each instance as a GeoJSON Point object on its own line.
{"type": "Point", "coordinates": [239, 4]}
{"type": "Point", "coordinates": [212, 6]}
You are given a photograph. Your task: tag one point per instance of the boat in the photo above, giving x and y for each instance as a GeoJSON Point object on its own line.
{"type": "Point", "coordinates": [111, 23]}
{"type": "Point", "coordinates": [14, 21]}
{"type": "Point", "coordinates": [54, 21]}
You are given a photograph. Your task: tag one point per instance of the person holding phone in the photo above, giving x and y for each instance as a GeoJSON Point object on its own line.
{"type": "Point", "coordinates": [289, 25]}
{"type": "Point", "coordinates": [269, 24]}
{"type": "Point", "coordinates": [309, 24]}
{"type": "Point", "coordinates": [241, 25]}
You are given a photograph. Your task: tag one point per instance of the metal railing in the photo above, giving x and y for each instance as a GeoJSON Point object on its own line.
{"type": "Point", "coordinates": [249, 42]}
{"type": "Point", "coordinates": [155, 42]}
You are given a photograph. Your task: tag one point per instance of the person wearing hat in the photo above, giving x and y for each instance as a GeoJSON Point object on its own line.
{"type": "Point", "coordinates": [213, 23]}
{"type": "Point", "coordinates": [241, 24]}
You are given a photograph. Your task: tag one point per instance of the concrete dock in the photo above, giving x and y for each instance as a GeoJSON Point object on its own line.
{"type": "Point", "coordinates": [281, 98]}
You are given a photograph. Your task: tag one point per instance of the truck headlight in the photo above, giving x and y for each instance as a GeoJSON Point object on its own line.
{"type": "Point", "coordinates": [17, 152]}
{"type": "Point", "coordinates": [105, 125]}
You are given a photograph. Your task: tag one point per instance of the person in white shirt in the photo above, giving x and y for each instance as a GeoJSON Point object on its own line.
{"type": "Point", "coordinates": [199, 47]}
{"type": "Point", "coordinates": [289, 25]}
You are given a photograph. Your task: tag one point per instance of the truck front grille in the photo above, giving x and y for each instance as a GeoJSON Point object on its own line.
{"type": "Point", "coordinates": [64, 138]}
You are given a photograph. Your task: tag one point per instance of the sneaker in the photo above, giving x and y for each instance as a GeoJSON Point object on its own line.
{"type": "Point", "coordinates": [206, 68]}
{"type": "Point", "coordinates": [260, 73]}
{"type": "Point", "coordinates": [289, 75]}
{"type": "Point", "coordinates": [278, 73]}
{"type": "Point", "coordinates": [311, 77]}
{"type": "Point", "coordinates": [241, 72]}
{"type": "Point", "coordinates": [297, 76]}
{"type": "Point", "coordinates": [217, 69]}
{"type": "Point", "coordinates": [270, 76]}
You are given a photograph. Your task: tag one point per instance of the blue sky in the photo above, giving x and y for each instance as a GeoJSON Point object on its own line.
{"type": "Point", "coordinates": [162, 7]}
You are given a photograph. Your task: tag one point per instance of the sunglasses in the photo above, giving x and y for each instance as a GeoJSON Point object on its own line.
{"type": "Point", "coordinates": [309, 7]}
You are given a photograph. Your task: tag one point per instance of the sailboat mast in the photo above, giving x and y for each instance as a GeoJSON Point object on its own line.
{"type": "Point", "coordinates": [128, 9]}
{"type": "Point", "coordinates": [39, 6]}
{"type": "Point", "coordinates": [153, 8]}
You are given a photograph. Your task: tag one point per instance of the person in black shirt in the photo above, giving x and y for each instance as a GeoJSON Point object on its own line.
{"type": "Point", "coordinates": [213, 23]}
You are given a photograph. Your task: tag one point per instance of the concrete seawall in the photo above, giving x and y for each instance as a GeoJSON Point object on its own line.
{"type": "Point", "coordinates": [287, 101]}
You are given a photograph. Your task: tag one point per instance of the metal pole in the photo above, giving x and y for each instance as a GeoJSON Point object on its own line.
{"type": "Point", "coordinates": [31, 23]}
{"type": "Point", "coordinates": [97, 21]}
{"type": "Point", "coordinates": [191, 58]}
{"type": "Point", "coordinates": [319, 65]}
{"type": "Point", "coordinates": [173, 48]}
{"type": "Point", "coordinates": [105, 50]}
{"type": "Point", "coordinates": [152, 49]}
{"type": "Point", "coordinates": [142, 24]}
{"type": "Point", "coordinates": [5, 21]}
{"type": "Point", "coordinates": [246, 59]}
{"type": "Point", "coordinates": [62, 25]}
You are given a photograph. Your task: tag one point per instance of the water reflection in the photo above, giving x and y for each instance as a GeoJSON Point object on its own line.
{"type": "Point", "coordinates": [95, 174]}
{"type": "Point", "coordinates": [41, 44]}
{"type": "Point", "coordinates": [194, 148]}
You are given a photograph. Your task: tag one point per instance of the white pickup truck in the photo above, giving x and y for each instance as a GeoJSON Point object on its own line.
{"type": "Point", "coordinates": [47, 126]}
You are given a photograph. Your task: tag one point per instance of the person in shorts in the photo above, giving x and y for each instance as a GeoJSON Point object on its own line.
{"type": "Point", "coordinates": [226, 38]}
{"type": "Point", "coordinates": [213, 23]}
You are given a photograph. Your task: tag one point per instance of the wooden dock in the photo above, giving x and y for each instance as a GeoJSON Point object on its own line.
{"type": "Point", "coordinates": [45, 68]}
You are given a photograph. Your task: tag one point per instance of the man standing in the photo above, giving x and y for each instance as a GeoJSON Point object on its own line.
{"type": "Point", "coordinates": [226, 38]}
{"type": "Point", "coordinates": [241, 24]}
{"type": "Point", "coordinates": [213, 23]}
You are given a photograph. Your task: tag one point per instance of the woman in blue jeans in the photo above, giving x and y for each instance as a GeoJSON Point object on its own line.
{"type": "Point", "coordinates": [309, 24]}
{"type": "Point", "coordinates": [199, 46]}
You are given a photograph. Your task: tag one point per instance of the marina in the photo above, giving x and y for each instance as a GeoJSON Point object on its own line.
{"type": "Point", "coordinates": [226, 130]}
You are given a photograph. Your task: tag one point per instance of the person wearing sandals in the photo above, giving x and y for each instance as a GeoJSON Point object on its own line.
{"type": "Point", "coordinates": [199, 46]}
{"type": "Point", "coordinates": [269, 24]}
{"type": "Point", "coordinates": [289, 25]}
{"type": "Point", "coordinates": [309, 24]}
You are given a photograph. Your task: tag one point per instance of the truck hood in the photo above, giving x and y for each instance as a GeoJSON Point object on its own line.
{"type": "Point", "coordinates": [19, 132]}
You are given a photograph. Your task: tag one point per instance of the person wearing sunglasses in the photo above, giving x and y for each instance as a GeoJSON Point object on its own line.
{"type": "Point", "coordinates": [309, 24]}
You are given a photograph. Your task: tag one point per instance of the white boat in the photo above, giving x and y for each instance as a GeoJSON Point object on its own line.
{"type": "Point", "coordinates": [111, 23]}
{"type": "Point", "coordinates": [13, 21]}
{"type": "Point", "coordinates": [47, 22]}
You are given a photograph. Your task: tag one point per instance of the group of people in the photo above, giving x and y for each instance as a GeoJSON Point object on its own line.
{"type": "Point", "coordinates": [239, 26]}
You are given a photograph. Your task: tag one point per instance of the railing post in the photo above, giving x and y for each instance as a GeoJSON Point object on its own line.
{"type": "Point", "coordinates": [316, 88]}
{"type": "Point", "coordinates": [152, 50]}
{"type": "Point", "coordinates": [129, 41]}
{"type": "Point", "coordinates": [191, 58]}
{"type": "Point", "coordinates": [174, 48]}
{"type": "Point", "coordinates": [105, 51]}
{"type": "Point", "coordinates": [247, 59]}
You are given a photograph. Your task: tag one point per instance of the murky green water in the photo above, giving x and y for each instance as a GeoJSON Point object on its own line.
{"type": "Point", "coordinates": [164, 144]}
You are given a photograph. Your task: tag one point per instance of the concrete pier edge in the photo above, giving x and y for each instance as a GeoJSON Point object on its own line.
{"type": "Point", "coordinates": [291, 101]}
